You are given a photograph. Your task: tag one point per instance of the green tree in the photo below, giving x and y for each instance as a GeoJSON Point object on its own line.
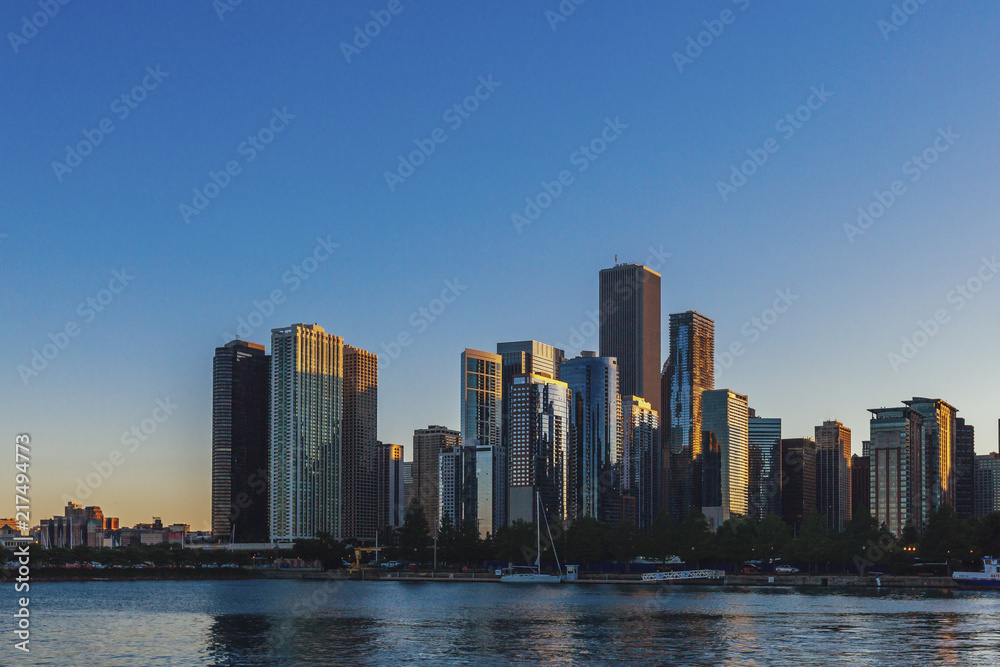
{"type": "Point", "coordinates": [625, 539]}
{"type": "Point", "coordinates": [736, 540]}
{"type": "Point", "coordinates": [447, 542]}
{"type": "Point", "coordinates": [986, 535]}
{"type": "Point", "coordinates": [945, 539]}
{"type": "Point", "coordinates": [585, 541]}
{"type": "Point", "coordinates": [773, 536]}
{"type": "Point", "coordinates": [662, 537]}
{"type": "Point", "coordinates": [696, 541]}
{"type": "Point", "coordinates": [516, 543]}
{"type": "Point", "coordinates": [814, 544]}
{"type": "Point", "coordinates": [414, 535]}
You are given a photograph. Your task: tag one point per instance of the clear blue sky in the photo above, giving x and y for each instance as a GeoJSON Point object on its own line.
{"type": "Point", "coordinates": [323, 175]}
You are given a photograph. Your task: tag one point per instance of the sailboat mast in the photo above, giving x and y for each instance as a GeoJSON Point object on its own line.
{"type": "Point", "coordinates": [538, 533]}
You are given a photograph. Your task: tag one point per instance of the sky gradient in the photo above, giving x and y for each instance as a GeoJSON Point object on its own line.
{"type": "Point", "coordinates": [336, 124]}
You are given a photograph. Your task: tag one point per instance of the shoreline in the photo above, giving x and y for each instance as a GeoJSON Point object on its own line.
{"type": "Point", "coordinates": [730, 581]}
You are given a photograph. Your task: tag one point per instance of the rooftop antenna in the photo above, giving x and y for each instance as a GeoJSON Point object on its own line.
{"type": "Point", "coordinates": [616, 259]}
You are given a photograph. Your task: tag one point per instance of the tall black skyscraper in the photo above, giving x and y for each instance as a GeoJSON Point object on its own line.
{"type": "Point", "coordinates": [630, 328]}
{"type": "Point", "coordinates": [240, 395]}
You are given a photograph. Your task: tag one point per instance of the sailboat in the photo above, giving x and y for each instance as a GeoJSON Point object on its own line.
{"type": "Point", "coordinates": [535, 576]}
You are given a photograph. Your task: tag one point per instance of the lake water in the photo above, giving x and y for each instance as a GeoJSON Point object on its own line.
{"type": "Point", "coordinates": [360, 623]}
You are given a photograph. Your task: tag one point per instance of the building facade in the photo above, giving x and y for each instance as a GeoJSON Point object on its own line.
{"type": "Point", "coordinates": [595, 437]}
{"type": "Point", "coordinates": [391, 507]}
{"type": "Point", "coordinates": [641, 468]}
{"type": "Point", "coordinates": [360, 445]}
{"type": "Point", "coordinates": [765, 472]}
{"type": "Point", "coordinates": [726, 467]}
{"type": "Point", "coordinates": [629, 327]}
{"type": "Point", "coordinates": [306, 426]}
{"type": "Point", "coordinates": [833, 474]}
{"type": "Point", "coordinates": [689, 371]}
{"type": "Point", "coordinates": [240, 395]}
{"type": "Point", "coordinates": [861, 485]}
{"type": "Point", "coordinates": [933, 461]}
{"type": "Point", "coordinates": [798, 492]}
{"type": "Point", "coordinates": [539, 429]}
{"type": "Point", "coordinates": [428, 443]}
{"type": "Point", "coordinates": [482, 397]}
{"type": "Point", "coordinates": [965, 469]}
{"type": "Point", "coordinates": [896, 435]}
{"type": "Point", "coordinates": [987, 481]}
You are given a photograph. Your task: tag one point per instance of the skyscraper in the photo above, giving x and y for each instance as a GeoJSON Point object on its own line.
{"type": "Point", "coordinates": [630, 328]}
{"type": "Point", "coordinates": [965, 469]}
{"type": "Point", "coordinates": [307, 399]}
{"type": "Point", "coordinates": [640, 482]}
{"type": "Point", "coordinates": [689, 372]}
{"type": "Point", "coordinates": [391, 509]}
{"type": "Point", "coordinates": [240, 393]}
{"type": "Point", "coordinates": [987, 480]}
{"type": "Point", "coordinates": [798, 471]}
{"type": "Point", "coordinates": [726, 478]}
{"type": "Point", "coordinates": [861, 485]}
{"type": "Point", "coordinates": [482, 395]}
{"type": "Point", "coordinates": [538, 446]}
{"type": "Point", "coordinates": [833, 474]}
{"type": "Point", "coordinates": [595, 437]}
{"type": "Point", "coordinates": [360, 444]}
{"type": "Point", "coordinates": [765, 466]}
{"type": "Point", "coordinates": [934, 460]}
{"type": "Point", "coordinates": [895, 439]}
{"type": "Point", "coordinates": [428, 443]}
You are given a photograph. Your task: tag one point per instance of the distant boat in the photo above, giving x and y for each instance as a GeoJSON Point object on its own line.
{"type": "Point", "coordinates": [535, 576]}
{"type": "Point", "coordinates": [988, 578]}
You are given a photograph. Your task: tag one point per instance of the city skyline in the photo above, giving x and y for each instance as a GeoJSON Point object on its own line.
{"type": "Point", "coordinates": [115, 297]}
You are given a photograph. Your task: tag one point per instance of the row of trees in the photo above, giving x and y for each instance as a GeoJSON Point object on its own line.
{"type": "Point", "coordinates": [863, 545]}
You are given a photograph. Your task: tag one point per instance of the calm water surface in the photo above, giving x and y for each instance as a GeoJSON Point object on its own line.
{"type": "Point", "coordinates": [358, 623]}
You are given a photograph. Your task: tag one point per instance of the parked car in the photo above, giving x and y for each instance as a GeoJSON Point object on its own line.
{"type": "Point", "coordinates": [786, 569]}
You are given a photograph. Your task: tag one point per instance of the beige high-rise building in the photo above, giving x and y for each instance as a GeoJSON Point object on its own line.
{"type": "Point", "coordinates": [306, 426]}
{"type": "Point", "coordinates": [725, 455]}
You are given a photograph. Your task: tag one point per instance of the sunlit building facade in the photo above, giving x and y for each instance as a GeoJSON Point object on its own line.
{"type": "Point", "coordinates": [640, 482]}
{"type": "Point", "coordinates": [360, 444]}
{"type": "Point", "coordinates": [933, 463]}
{"type": "Point", "coordinates": [726, 478]}
{"type": "Point", "coordinates": [306, 426]}
{"type": "Point", "coordinates": [833, 474]}
{"type": "Point", "coordinates": [482, 397]}
{"type": "Point", "coordinates": [689, 371]}
{"type": "Point", "coordinates": [539, 429]}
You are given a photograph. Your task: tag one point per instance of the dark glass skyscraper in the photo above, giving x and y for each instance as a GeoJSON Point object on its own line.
{"type": "Point", "coordinates": [240, 394]}
{"type": "Point", "coordinates": [595, 437]}
{"type": "Point", "coordinates": [798, 493]}
{"type": "Point", "coordinates": [765, 467]}
{"type": "Point", "coordinates": [965, 469]}
{"type": "Point", "coordinates": [689, 372]}
{"type": "Point", "coordinates": [630, 328]}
